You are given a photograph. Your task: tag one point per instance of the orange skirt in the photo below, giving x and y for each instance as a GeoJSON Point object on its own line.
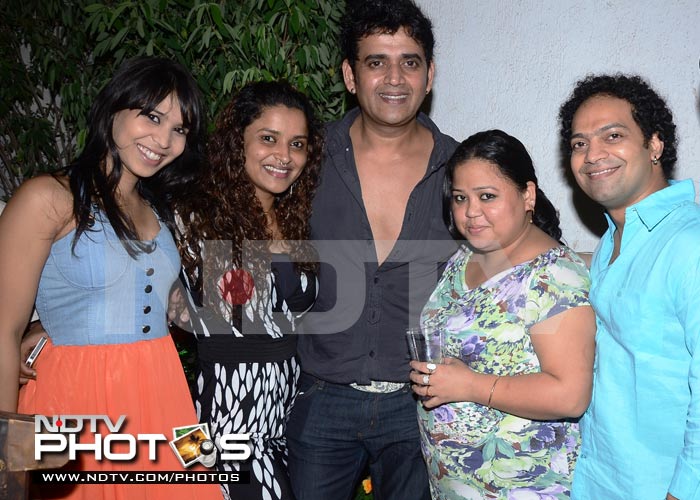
{"type": "Point", "coordinates": [142, 380]}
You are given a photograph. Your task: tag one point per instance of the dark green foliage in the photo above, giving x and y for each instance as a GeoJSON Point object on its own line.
{"type": "Point", "coordinates": [56, 55]}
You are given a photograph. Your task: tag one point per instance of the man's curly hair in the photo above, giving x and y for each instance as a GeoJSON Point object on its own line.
{"type": "Point", "coordinates": [649, 111]}
{"type": "Point", "coordinates": [224, 206]}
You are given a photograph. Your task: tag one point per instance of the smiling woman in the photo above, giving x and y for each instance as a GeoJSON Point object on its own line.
{"type": "Point", "coordinates": [519, 330]}
{"type": "Point", "coordinates": [248, 273]}
{"type": "Point", "coordinates": [276, 150]}
{"type": "Point", "coordinates": [149, 140]}
{"type": "Point", "coordinates": [92, 244]}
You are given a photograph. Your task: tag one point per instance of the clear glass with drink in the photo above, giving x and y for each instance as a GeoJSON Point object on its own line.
{"type": "Point", "coordinates": [425, 343]}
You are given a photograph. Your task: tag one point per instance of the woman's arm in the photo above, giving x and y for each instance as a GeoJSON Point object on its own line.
{"type": "Point", "coordinates": [37, 214]}
{"type": "Point", "coordinates": [564, 345]}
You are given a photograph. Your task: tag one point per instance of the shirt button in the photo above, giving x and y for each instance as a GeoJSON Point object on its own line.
{"type": "Point", "coordinates": [148, 289]}
{"type": "Point", "coordinates": [376, 280]}
{"type": "Point", "coordinates": [146, 329]}
{"type": "Point", "coordinates": [147, 309]}
{"type": "Point", "coordinates": [150, 271]}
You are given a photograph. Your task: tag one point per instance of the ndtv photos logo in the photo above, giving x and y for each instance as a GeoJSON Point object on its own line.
{"type": "Point", "coordinates": [191, 444]}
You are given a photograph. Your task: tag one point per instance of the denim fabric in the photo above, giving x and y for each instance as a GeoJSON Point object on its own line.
{"type": "Point", "coordinates": [97, 294]}
{"type": "Point", "coordinates": [335, 430]}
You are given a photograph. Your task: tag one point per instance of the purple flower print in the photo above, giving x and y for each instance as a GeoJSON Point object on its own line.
{"type": "Point", "coordinates": [471, 348]}
{"type": "Point", "coordinates": [460, 322]}
{"type": "Point", "coordinates": [472, 461]}
{"type": "Point", "coordinates": [444, 414]}
{"type": "Point", "coordinates": [547, 436]}
{"type": "Point", "coordinates": [571, 442]}
{"type": "Point", "coordinates": [552, 492]}
{"type": "Point", "coordinates": [532, 474]}
{"type": "Point", "coordinates": [508, 289]}
{"type": "Point", "coordinates": [469, 310]}
{"type": "Point", "coordinates": [517, 305]}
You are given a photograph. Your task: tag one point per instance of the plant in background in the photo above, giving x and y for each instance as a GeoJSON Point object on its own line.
{"type": "Point", "coordinates": [228, 44]}
{"type": "Point", "coordinates": [58, 54]}
{"type": "Point", "coordinates": [44, 67]}
{"type": "Point", "coordinates": [364, 490]}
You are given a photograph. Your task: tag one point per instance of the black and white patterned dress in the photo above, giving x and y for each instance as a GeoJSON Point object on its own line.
{"type": "Point", "coordinates": [248, 370]}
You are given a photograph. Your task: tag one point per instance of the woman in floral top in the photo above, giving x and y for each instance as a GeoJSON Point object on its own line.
{"type": "Point", "coordinates": [498, 416]}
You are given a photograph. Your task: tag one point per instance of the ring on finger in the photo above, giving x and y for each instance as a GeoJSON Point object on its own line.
{"type": "Point", "coordinates": [431, 368]}
{"type": "Point", "coordinates": [426, 379]}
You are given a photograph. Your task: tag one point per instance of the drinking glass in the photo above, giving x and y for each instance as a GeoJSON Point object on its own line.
{"type": "Point", "coordinates": [425, 343]}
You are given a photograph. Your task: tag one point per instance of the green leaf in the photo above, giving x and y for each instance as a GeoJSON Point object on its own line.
{"type": "Point", "coordinates": [228, 82]}
{"type": "Point", "coordinates": [294, 21]}
{"type": "Point", "coordinates": [94, 7]}
{"type": "Point", "coordinates": [325, 54]}
{"type": "Point", "coordinates": [146, 11]}
{"type": "Point", "coordinates": [119, 55]}
{"type": "Point", "coordinates": [101, 47]}
{"type": "Point", "coordinates": [119, 37]}
{"type": "Point", "coordinates": [206, 37]}
{"type": "Point", "coordinates": [233, 32]}
{"type": "Point", "coordinates": [52, 75]}
{"type": "Point", "coordinates": [489, 450]}
{"type": "Point", "coordinates": [504, 448]}
{"type": "Point", "coordinates": [215, 12]}
{"type": "Point", "coordinates": [117, 13]}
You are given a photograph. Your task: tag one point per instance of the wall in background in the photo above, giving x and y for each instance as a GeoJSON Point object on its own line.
{"type": "Point", "coordinates": [509, 64]}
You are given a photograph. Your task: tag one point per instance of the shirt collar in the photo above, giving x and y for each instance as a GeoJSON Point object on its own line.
{"type": "Point", "coordinates": [339, 140]}
{"type": "Point", "coordinates": [655, 207]}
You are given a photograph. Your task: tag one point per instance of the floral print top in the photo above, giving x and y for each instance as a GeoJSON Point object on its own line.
{"type": "Point", "coordinates": [476, 452]}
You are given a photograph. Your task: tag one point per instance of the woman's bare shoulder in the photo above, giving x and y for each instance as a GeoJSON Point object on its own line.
{"type": "Point", "coordinates": [44, 195]}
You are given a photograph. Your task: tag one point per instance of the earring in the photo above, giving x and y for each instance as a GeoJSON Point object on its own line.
{"type": "Point", "coordinates": [352, 91]}
{"type": "Point", "coordinates": [291, 188]}
{"type": "Point", "coordinates": [531, 211]}
{"type": "Point", "coordinates": [655, 160]}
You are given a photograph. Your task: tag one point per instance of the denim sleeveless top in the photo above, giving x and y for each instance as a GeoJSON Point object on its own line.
{"type": "Point", "coordinates": [101, 295]}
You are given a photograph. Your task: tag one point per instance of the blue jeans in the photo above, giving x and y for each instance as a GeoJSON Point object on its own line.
{"type": "Point", "coordinates": [335, 430]}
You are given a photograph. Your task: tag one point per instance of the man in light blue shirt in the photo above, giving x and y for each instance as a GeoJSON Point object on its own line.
{"type": "Point", "coordinates": [641, 433]}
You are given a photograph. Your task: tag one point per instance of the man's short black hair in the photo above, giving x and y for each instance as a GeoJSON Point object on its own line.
{"type": "Point", "coordinates": [371, 17]}
{"type": "Point", "coordinates": [649, 111]}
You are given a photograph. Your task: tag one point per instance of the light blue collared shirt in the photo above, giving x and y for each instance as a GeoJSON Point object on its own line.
{"type": "Point", "coordinates": [641, 433]}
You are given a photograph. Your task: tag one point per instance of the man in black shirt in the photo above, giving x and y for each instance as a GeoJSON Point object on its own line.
{"type": "Point", "coordinates": [377, 222]}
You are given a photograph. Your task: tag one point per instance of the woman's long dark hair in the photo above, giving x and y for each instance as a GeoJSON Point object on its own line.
{"type": "Point", "coordinates": [512, 159]}
{"type": "Point", "coordinates": [139, 83]}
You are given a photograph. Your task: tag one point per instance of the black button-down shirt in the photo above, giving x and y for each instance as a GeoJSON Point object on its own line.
{"type": "Point", "coordinates": [356, 331]}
